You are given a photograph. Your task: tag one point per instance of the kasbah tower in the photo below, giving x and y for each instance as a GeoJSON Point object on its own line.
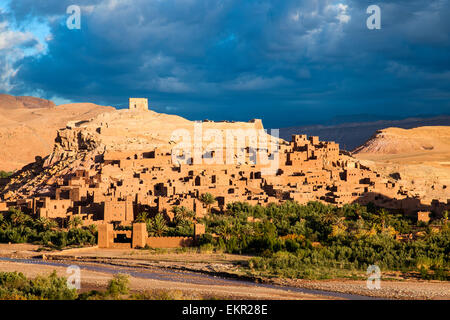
{"type": "Point", "coordinates": [138, 104]}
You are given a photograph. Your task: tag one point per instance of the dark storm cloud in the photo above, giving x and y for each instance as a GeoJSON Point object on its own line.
{"type": "Point", "coordinates": [234, 59]}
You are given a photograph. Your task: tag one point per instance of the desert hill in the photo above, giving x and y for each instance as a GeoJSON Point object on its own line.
{"type": "Point", "coordinates": [10, 102]}
{"type": "Point", "coordinates": [122, 133]}
{"type": "Point", "coordinates": [28, 127]}
{"type": "Point", "coordinates": [401, 141]}
{"type": "Point", "coordinates": [420, 156]}
{"type": "Point", "coordinates": [353, 134]}
{"type": "Point", "coordinates": [119, 163]}
{"type": "Point", "coordinates": [123, 130]}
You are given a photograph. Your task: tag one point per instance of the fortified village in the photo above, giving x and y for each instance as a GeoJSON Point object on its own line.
{"type": "Point", "coordinates": [111, 168]}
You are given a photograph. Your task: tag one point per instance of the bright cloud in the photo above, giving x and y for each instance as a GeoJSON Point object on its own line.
{"type": "Point", "coordinates": [14, 46]}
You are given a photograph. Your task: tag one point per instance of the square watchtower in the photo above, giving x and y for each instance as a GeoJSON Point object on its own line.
{"type": "Point", "coordinates": [138, 104]}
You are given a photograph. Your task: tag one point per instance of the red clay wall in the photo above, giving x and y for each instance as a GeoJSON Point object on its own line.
{"type": "Point", "coordinates": [169, 242]}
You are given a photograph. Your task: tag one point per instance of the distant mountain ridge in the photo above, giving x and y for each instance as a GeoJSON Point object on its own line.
{"type": "Point", "coordinates": [354, 134]}
{"type": "Point", "coordinates": [11, 102]}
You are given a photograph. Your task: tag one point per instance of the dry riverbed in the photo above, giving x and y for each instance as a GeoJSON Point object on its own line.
{"type": "Point", "coordinates": [205, 275]}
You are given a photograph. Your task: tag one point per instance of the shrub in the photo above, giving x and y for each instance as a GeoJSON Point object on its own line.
{"type": "Point", "coordinates": [118, 285]}
{"type": "Point", "coordinates": [365, 237]}
{"type": "Point", "coordinates": [17, 227]}
{"type": "Point", "coordinates": [5, 174]}
{"type": "Point", "coordinates": [14, 285]}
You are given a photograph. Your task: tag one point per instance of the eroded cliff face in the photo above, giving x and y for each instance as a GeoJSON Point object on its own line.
{"type": "Point", "coordinates": [71, 144]}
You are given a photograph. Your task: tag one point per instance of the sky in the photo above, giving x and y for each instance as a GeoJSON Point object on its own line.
{"type": "Point", "coordinates": [287, 62]}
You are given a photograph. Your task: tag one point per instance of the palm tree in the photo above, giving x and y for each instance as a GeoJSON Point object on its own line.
{"type": "Point", "coordinates": [18, 217]}
{"type": "Point", "coordinates": [225, 231]}
{"type": "Point", "coordinates": [383, 218]}
{"type": "Point", "coordinates": [75, 222]}
{"type": "Point", "coordinates": [208, 199]}
{"type": "Point", "coordinates": [142, 217]}
{"type": "Point", "coordinates": [182, 214]}
{"type": "Point", "coordinates": [92, 228]}
{"type": "Point", "coordinates": [338, 226]}
{"type": "Point", "coordinates": [157, 226]}
{"type": "Point", "coordinates": [176, 210]}
{"type": "Point", "coordinates": [329, 217]}
{"type": "Point", "coordinates": [45, 224]}
{"type": "Point", "coordinates": [444, 219]}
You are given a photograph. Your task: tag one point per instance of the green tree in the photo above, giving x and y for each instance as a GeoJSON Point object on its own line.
{"type": "Point", "coordinates": [17, 217]}
{"type": "Point", "coordinates": [118, 285]}
{"type": "Point", "coordinates": [44, 224]}
{"type": "Point", "coordinates": [4, 174]}
{"type": "Point", "coordinates": [75, 222]}
{"type": "Point", "coordinates": [14, 285]}
{"type": "Point", "coordinates": [157, 226]}
{"type": "Point", "coordinates": [142, 217]}
{"type": "Point", "coordinates": [182, 214]}
{"type": "Point", "coordinates": [225, 231]}
{"type": "Point", "coordinates": [383, 218]}
{"type": "Point", "coordinates": [208, 199]}
{"type": "Point", "coordinates": [92, 228]}
{"type": "Point", "coordinates": [444, 219]}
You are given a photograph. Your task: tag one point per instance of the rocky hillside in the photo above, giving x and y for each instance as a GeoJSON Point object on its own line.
{"type": "Point", "coordinates": [28, 127]}
{"type": "Point", "coordinates": [419, 156]}
{"type": "Point", "coordinates": [81, 143]}
{"type": "Point", "coordinates": [400, 141]}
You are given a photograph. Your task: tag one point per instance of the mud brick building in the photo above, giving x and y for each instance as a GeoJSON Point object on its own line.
{"type": "Point", "coordinates": [110, 169]}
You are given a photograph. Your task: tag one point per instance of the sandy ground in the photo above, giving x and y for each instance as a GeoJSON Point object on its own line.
{"type": "Point", "coordinates": [98, 280]}
{"type": "Point", "coordinates": [405, 290]}
{"type": "Point", "coordinates": [192, 274]}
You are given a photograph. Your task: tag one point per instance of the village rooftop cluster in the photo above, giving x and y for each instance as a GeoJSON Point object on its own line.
{"type": "Point", "coordinates": [118, 185]}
